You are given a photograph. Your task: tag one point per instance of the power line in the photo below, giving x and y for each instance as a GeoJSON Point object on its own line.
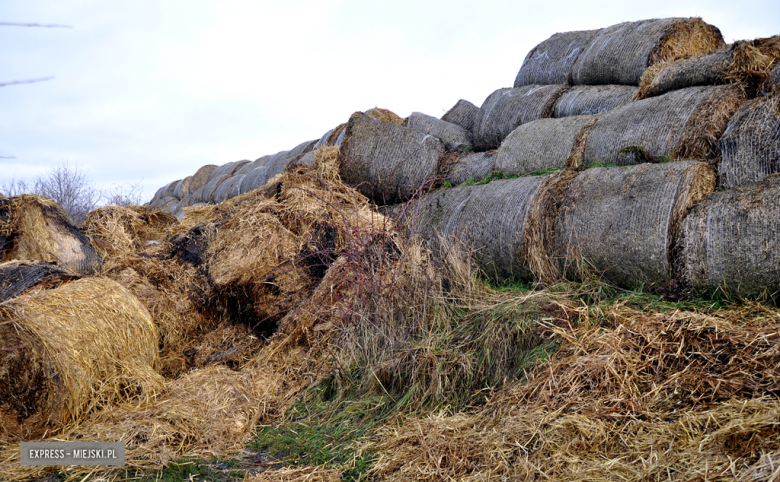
{"type": "Point", "coordinates": [29, 81]}
{"type": "Point", "coordinates": [46, 25]}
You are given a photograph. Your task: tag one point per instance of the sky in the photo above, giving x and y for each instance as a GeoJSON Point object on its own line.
{"type": "Point", "coordinates": [146, 92]}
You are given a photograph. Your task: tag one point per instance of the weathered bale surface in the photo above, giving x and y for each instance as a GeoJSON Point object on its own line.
{"type": "Point", "coordinates": [236, 189]}
{"type": "Point", "coordinates": [162, 193]}
{"type": "Point", "coordinates": [622, 221]}
{"type": "Point", "coordinates": [387, 162]}
{"type": "Point", "coordinates": [506, 109]}
{"type": "Point", "coordinates": [182, 188]}
{"type": "Point", "coordinates": [750, 147]}
{"type": "Point", "coordinates": [544, 144]}
{"type": "Point", "coordinates": [550, 62]}
{"type": "Point", "coordinates": [224, 188]}
{"type": "Point", "coordinates": [117, 230]}
{"type": "Point", "coordinates": [385, 115]}
{"type": "Point", "coordinates": [77, 347]}
{"type": "Point", "coordinates": [730, 241]}
{"type": "Point", "coordinates": [463, 114]}
{"type": "Point", "coordinates": [201, 176]}
{"type": "Point", "coordinates": [217, 176]}
{"type": "Point", "coordinates": [682, 124]}
{"type": "Point", "coordinates": [476, 166]}
{"type": "Point", "coordinates": [254, 179]}
{"type": "Point", "coordinates": [17, 276]}
{"type": "Point", "coordinates": [455, 137]}
{"type": "Point", "coordinates": [772, 83]}
{"type": "Point", "coordinates": [620, 54]}
{"type": "Point", "coordinates": [34, 228]}
{"type": "Point", "coordinates": [279, 162]}
{"type": "Point", "coordinates": [593, 99]}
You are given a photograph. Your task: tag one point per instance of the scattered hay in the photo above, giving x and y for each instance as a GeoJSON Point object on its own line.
{"type": "Point", "coordinates": [506, 109]}
{"type": "Point", "coordinates": [623, 220]}
{"type": "Point", "coordinates": [37, 228]}
{"type": "Point", "coordinates": [117, 230]}
{"type": "Point", "coordinates": [620, 54]}
{"type": "Point", "coordinates": [455, 137]}
{"type": "Point", "coordinates": [543, 144]}
{"type": "Point", "coordinates": [750, 147]}
{"type": "Point", "coordinates": [387, 162]}
{"type": "Point", "coordinates": [550, 62]}
{"type": "Point", "coordinates": [463, 114]}
{"type": "Point", "coordinates": [297, 474]}
{"type": "Point", "coordinates": [18, 276]}
{"type": "Point", "coordinates": [682, 124]}
{"type": "Point", "coordinates": [593, 99]}
{"type": "Point", "coordinates": [462, 168]}
{"type": "Point", "coordinates": [729, 241]}
{"type": "Point", "coordinates": [81, 346]}
{"type": "Point", "coordinates": [384, 115]}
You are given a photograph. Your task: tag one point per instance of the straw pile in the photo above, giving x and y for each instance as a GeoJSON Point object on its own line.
{"type": "Point", "coordinates": [745, 63]}
{"type": "Point", "coordinates": [116, 230]}
{"type": "Point", "coordinates": [463, 114]}
{"type": "Point", "coordinates": [682, 124]}
{"type": "Point", "coordinates": [544, 144]}
{"type": "Point", "coordinates": [729, 241]}
{"type": "Point", "coordinates": [622, 221]}
{"type": "Point", "coordinates": [297, 474]}
{"type": "Point", "coordinates": [455, 137]}
{"type": "Point", "coordinates": [387, 162]}
{"type": "Point", "coordinates": [474, 166]}
{"type": "Point", "coordinates": [506, 109]}
{"type": "Point", "coordinates": [751, 144]}
{"type": "Point", "coordinates": [81, 346]}
{"type": "Point", "coordinates": [550, 62]}
{"type": "Point", "coordinates": [385, 115]}
{"type": "Point", "coordinates": [36, 228]}
{"type": "Point", "coordinates": [593, 99]}
{"type": "Point", "coordinates": [620, 54]}
{"type": "Point", "coordinates": [651, 396]}
{"type": "Point", "coordinates": [18, 276]}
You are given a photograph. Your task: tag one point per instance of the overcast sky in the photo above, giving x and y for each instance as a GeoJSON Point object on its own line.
{"type": "Point", "coordinates": [149, 91]}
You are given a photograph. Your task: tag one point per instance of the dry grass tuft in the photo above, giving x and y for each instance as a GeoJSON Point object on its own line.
{"type": "Point", "coordinates": [297, 474]}
{"type": "Point", "coordinates": [116, 230]}
{"type": "Point", "coordinates": [385, 115]}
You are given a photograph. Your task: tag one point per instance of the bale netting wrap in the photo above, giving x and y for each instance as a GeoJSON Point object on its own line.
{"type": "Point", "coordinates": [255, 179]}
{"type": "Point", "coordinates": [78, 347]}
{"type": "Point", "coordinates": [542, 145]}
{"type": "Point", "coordinates": [550, 62]}
{"type": "Point", "coordinates": [18, 276]}
{"type": "Point", "coordinates": [772, 83]}
{"type": "Point", "coordinates": [455, 137]}
{"type": "Point", "coordinates": [682, 124]}
{"type": "Point", "coordinates": [729, 241]}
{"type": "Point", "coordinates": [506, 109]}
{"type": "Point", "coordinates": [433, 217]}
{"type": "Point", "coordinates": [225, 187]}
{"type": "Point", "coordinates": [620, 54]}
{"type": "Point", "coordinates": [622, 221]}
{"type": "Point", "coordinates": [463, 114]}
{"type": "Point", "coordinates": [182, 188]}
{"type": "Point", "coordinates": [387, 162]}
{"type": "Point", "coordinates": [474, 166]}
{"type": "Point", "coordinates": [35, 228]}
{"type": "Point", "coordinates": [703, 69]}
{"type": "Point", "coordinates": [593, 99]}
{"type": "Point", "coordinates": [750, 147]}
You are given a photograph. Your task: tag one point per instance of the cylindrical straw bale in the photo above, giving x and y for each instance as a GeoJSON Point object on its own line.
{"type": "Point", "coordinates": [77, 347]}
{"type": "Point", "coordinates": [455, 137]}
{"type": "Point", "coordinates": [323, 141]}
{"type": "Point", "coordinates": [256, 178]}
{"type": "Point", "coordinates": [224, 188]}
{"type": "Point", "coordinates": [506, 109]}
{"type": "Point", "coordinates": [475, 166]}
{"type": "Point", "coordinates": [682, 124]}
{"type": "Point", "coordinates": [463, 114]}
{"type": "Point", "coordinates": [171, 188]}
{"type": "Point", "coordinates": [729, 241]}
{"type": "Point", "coordinates": [215, 178]}
{"type": "Point", "coordinates": [17, 276]}
{"type": "Point", "coordinates": [620, 54]}
{"type": "Point", "coordinates": [201, 176]}
{"type": "Point", "coordinates": [182, 188]}
{"type": "Point", "coordinates": [543, 144]}
{"type": "Point", "coordinates": [38, 229]}
{"type": "Point", "coordinates": [703, 69]}
{"type": "Point", "coordinates": [772, 83]}
{"type": "Point", "coordinates": [387, 162]}
{"type": "Point", "coordinates": [750, 147]}
{"type": "Point", "coordinates": [550, 62]}
{"type": "Point", "coordinates": [236, 189]}
{"type": "Point", "coordinates": [433, 217]}
{"type": "Point", "coordinates": [593, 99]}
{"type": "Point", "coordinates": [622, 221]}
{"type": "Point", "coordinates": [385, 115]}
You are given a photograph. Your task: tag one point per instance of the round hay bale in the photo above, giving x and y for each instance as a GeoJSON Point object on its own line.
{"type": "Point", "coordinates": [182, 188]}
{"type": "Point", "coordinates": [236, 189]}
{"type": "Point", "coordinates": [593, 99]}
{"type": "Point", "coordinates": [772, 83]}
{"type": "Point", "coordinates": [475, 166]}
{"type": "Point", "coordinates": [170, 188]}
{"type": "Point", "coordinates": [18, 276]}
{"type": "Point", "coordinates": [385, 115]}
{"type": "Point", "coordinates": [544, 144]}
{"type": "Point", "coordinates": [455, 137]}
{"type": "Point", "coordinates": [83, 345]}
{"type": "Point", "coordinates": [682, 124]}
{"type": "Point", "coordinates": [170, 204]}
{"type": "Point", "coordinates": [703, 69]}
{"type": "Point", "coordinates": [387, 162]}
{"type": "Point", "coordinates": [201, 177]}
{"type": "Point", "coordinates": [245, 168]}
{"type": "Point", "coordinates": [185, 201]}
{"type": "Point", "coordinates": [215, 179]}
{"type": "Point", "coordinates": [255, 179]}
{"type": "Point", "coordinates": [550, 61]}
{"type": "Point", "coordinates": [463, 114]}
{"type": "Point", "coordinates": [224, 188]}
{"type": "Point", "coordinates": [622, 221]}
{"type": "Point", "coordinates": [157, 198]}
{"type": "Point", "coordinates": [433, 215]}
{"type": "Point", "coordinates": [729, 241]}
{"type": "Point", "coordinates": [620, 54]}
{"type": "Point", "coordinates": [323, 141]}
{"type": "Point", "coordinates": [750, 147]}
{"type": "Point", "coordinates": [37, 228]}
{"type": "Point", "coordinates": [506, 109]}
